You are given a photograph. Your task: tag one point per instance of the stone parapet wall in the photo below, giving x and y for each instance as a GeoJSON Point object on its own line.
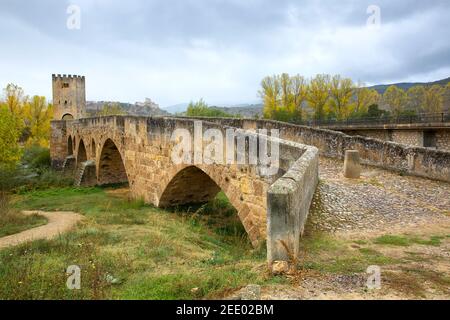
{"type": "Point", "coordinates": [419, 161]}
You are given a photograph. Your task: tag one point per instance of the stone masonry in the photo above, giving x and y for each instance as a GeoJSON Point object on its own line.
{"type": "Point", "coordinates": [137, 150]}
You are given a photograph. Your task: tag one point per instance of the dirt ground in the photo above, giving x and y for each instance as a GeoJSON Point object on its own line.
{"type": "Point", "coordinates": [58, 222]}
{"type": "Point", "coordinates": [357, 213]}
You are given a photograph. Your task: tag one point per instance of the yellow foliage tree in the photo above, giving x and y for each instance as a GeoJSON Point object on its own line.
{"type": "Point", "coordinates": [37, 115]}
{"type": "Point", "coordinates": [283, 96]}
{"type": "Point", "coordinates": [434, 99]}
{"type": "Point", "coordinates": [318, 94]}
{"type": "Point", "coordinates": [363, 98]}
{"type": "Point", "coordinates": [341, 93]}
{"type": "Point", "coordinates": [270, 93]}
{"type": "Point", "coordinates": [9, 137]}
{"type": "Point", "coordinates": [416, 98]}
{"type": "Point", "coordinates": [395, 99]}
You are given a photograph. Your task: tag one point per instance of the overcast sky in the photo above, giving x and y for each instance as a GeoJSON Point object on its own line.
{"type": "Point", "coordinates": [176, 51]}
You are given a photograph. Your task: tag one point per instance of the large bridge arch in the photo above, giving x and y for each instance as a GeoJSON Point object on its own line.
{"type": "Point", "coordinates": [111, 167]}
{"type": "Point", "coordinates": [191, 184]}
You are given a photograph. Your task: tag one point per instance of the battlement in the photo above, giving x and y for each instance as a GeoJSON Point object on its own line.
{"type": "Point", "coordinates": [66, 77]}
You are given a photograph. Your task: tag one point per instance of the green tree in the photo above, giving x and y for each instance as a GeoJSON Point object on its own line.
{"type": "Point", "coordinates": [201, 109]}
{"type": "Point", "coordinates": [395, 99]}
{"type": "Point", "coordinates": [111, 109]}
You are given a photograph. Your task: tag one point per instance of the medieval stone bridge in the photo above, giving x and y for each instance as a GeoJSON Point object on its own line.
{"type": "Point", "coordinates": [137, 150]}
{"type": "Point", "coordinates": [272, 207]}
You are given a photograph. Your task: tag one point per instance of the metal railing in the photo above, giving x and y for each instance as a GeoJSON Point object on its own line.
{"type": "Point", "coordinates": [442, 117]}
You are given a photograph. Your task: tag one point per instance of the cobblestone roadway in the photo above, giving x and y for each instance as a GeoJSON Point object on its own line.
{"type": "Point", "coordinates": [379, 200]}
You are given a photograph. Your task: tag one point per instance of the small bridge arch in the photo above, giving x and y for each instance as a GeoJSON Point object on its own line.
{"type": "Point", "coordinates": [111, 167]}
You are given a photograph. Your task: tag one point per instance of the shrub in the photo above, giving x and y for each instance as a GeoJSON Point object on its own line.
{"type": "Point", "coordinates": [36, 157]}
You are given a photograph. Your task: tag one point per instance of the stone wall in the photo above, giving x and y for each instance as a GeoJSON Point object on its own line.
{"type": "Point", "coordinates": [443, 139]}
{"type": "Point", "coordinates": [419, 161]}
{"type": "Point", "coordinates": [438, 138]}
{"type": "Point", "coordinates": [385, 135]}
{"type": "Point", "coordinates": [408, 137]}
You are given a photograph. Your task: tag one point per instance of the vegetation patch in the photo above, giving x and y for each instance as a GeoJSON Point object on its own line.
{"type": "Point", "coordinates": [404, 241]}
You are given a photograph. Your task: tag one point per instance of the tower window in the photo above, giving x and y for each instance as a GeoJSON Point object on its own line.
{"type": "Point", "coordinates": [65, 85]}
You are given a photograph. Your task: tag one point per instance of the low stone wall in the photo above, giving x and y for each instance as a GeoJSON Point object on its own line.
{"type": "Point", "coordinates": [288, 202]}
{"type": "Point", "coordinates": [418, 161]}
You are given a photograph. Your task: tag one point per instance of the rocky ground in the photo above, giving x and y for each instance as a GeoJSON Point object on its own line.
{"type": "Point", "coordinates": [383, 217]}
{"type": "Point", "coordinates": [381, 200]}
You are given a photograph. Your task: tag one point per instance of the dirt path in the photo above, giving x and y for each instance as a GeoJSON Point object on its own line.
{"type": "Point", "coordinates": [58, 222]}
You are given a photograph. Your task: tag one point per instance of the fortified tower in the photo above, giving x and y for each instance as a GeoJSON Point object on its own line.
{"type": "Point", "coordinates": [69, 97]}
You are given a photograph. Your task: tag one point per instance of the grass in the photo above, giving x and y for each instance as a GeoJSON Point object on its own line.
{"type": "Point", "coordinates": [327, 254]}
{"type": "Point", "coordinates": [151, 253]}
{"type": "Point", "coordinates": [17, 222]}
{"type": "Point", "coordinates": [13, 221]}
{"type": "Point", "coordinates": [192, 252]}
{"type": "Point", "coordinates": [406, 240]}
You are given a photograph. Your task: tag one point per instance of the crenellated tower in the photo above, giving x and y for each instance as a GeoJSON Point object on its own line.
{"type": "Point", "coordinates": [69, 97]}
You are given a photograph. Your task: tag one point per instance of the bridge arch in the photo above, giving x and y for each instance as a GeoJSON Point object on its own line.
{"type": "Point", "coordinates": [111, 168]}
{"type": "Point", "coordinates": [81, 154]}
{"type": "Point", "coordinates": [69, 146]}
{"type": "Point", "coordinates": [93, 149]}
{"type": "Point", "coordinates": [199, 184]}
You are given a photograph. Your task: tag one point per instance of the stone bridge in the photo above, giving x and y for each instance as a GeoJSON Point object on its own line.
{"type": "Point", "coordinates": [139, 150]}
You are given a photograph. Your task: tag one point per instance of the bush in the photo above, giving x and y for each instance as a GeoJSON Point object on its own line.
{"type": "Point", "coordinates": [47, 178]}
{"type": "Point", "coordinates": [36, 157]}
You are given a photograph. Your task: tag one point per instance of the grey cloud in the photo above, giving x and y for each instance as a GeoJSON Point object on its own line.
{"type": "Point", "coordinates": [231, 44]}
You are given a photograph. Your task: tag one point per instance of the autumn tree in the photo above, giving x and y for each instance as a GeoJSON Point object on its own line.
{"type": "Point", "coordinates": [283, 97]}
{"type": "Point", "coordinates": [434, 99]}
{"type": "Point", "coordinates": [299, 92]}
{"type": "Point", "coordinates": [318, 94]}
{"type": "Point", "coordinates": [37, 115]}
{"type": "Point", "coordinates": [395, 99]}
{"type": "Point", "coordinates": [9, 137]}
{"type": "Point", "coordinates": [340, 99]}
{"type": "Point", "coordinates": [270, 92]}
{"type": "Point", "coordinates": [364, 98]}
{"type": "Point", "coordinates": [416, 98]}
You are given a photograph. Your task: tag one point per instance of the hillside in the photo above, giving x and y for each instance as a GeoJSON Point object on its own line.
{"type": "Point", "coordinates": [381, 88]}
{"type": "Point", "coordinates": [244, 111]}
{"type": "Point", "coordinates": [146, 108]}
